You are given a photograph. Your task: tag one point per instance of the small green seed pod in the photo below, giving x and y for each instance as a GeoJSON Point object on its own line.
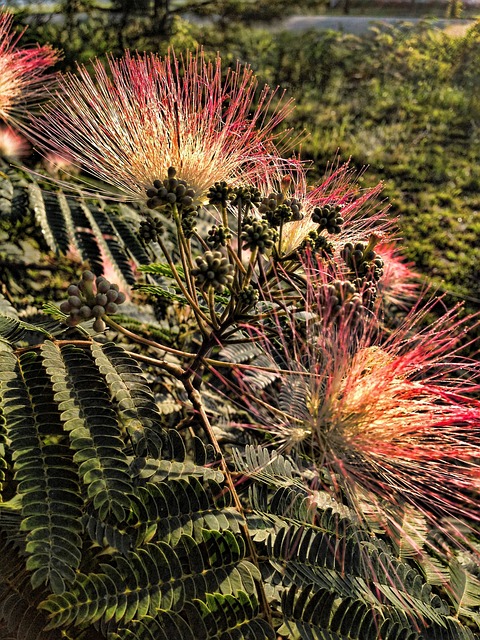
{"type": "Point", "coordinates": [99, 325]}
{"type": "Point", "coordinates": [75, 301]}
{"type": "Point", "coordinates": [98, 311]}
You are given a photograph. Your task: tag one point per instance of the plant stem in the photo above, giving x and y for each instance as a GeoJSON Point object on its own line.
{"type": "Point", "coordinates": [196, 400]}
{"type": "Point", "coordinates": [149, 343]}
{"type": "Point", "coordinates": [199, 315]}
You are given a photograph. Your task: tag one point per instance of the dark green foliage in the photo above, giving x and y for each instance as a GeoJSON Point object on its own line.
{"type": "Point", "coordinates": [156, 577]}
{"type": "Point", "coordinates": [223, 616]}
{"type": "Point", "coordinates": [321, 564]}
{"type": "Point", "coordinates": [165, 533]}
{"type": "Point", "coordinates": [19, 616]}
{"type": "Point", "coordinates": [100, 235]}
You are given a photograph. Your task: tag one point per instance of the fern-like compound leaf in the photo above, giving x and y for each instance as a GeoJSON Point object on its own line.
{"type": "Point", "coordinates": [155, 577]}
{"type": "Point", "coordinates": [179, 507]}
{"type": "Point", "coordinates": [99, 234]}
{"type": "Point", "coordinates": [217, 618]}
{"type": "Point", "coordinates": [95, 435]}
{"type": "Point", "coordinates": [44, 470]}
{"type": "Point", "coordinates": [14, 330]}
{"type": "Point", "coordinates": [154, 470]}
{"type": "Point", "coordinates": [465, 589]}
{"type": "Point", "coordinates": [137, 409]}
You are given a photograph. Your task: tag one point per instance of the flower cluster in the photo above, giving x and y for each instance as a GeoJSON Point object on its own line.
{"type": "Point", "coordinates": [92, 298]}
{"type": "Point", "coordinates": [213, 270]}
{"type": "Point", "coordinates": [394, 421]}
{"type": "Point", "coordinates": [171, 191]}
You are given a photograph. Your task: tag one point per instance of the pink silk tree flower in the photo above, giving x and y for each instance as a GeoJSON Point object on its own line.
{"type": "Point", "coordinates": [128, 124]}
{"type": "Point", "coordinates": [13, 146]}
{"type": "Point", "coordinates": [23, 77]}
{"type": "Point", "coordinates": [360, 210]}
{"type": "Point", "coordinates": [400, 284]}
{"type": "Point", "coordinates": [59, 166]}
{"type": "Point", "coordinates": [385, 422]}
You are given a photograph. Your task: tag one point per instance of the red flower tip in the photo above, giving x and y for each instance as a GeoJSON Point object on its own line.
{"type": "Point", "coordinates": [23, 80]}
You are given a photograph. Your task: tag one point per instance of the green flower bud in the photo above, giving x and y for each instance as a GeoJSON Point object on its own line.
{"type": "Point", "coordinates": [258, 235]}
{"type": "Point", "coordinates": [213, 270]}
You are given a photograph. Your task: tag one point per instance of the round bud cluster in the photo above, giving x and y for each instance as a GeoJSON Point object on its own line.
{"type": "Point", "coordinates": [270, 203]}
{"type": "Point", "coordinates": [220, 193]}
{"type": "Point", "coordinates": [318, 244]}
{"type": "Point", "coordinates": [171, 191]}
{"type": "Point", "coordinates": [341, 297]}
{"type": "Point", "coordinates": [328, 217]}
{"type": "Point", "coordinates": [91, 298]}
{"type": "Point", "coordinates": [150, 229]}
{"type": "Point", "coordinates": [245, 195]}
{"type": "Point", "coordinates": [362, 260]}
{"type": "Point", "coordinates": [248, 219]}
{"type": "Point", "coordinates": [218, 236]}
{"type": "Point", "coordinates": [247, 297]}
{"type": "Point", "coordinates": [278, 216]}
{"type": "Point", "coordinates": [257, 234]}
{"type": "Point", "coordinates": [296, 206]}
{"type": "Point", "coordinates": [189, 221]}
{"type": "Point", "coordinates": [213, 270]}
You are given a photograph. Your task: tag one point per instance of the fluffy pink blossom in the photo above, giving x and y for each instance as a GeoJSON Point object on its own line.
{"type": "Point", "coordinates": [388, 423]}
{"type": "Point", "coordinates": [127, 124]}
{"type": "Point", "coordinates": [12, 145]}
{"type": "Point", "coordinates": [400, 283]}
{"type": "Point", "coordinates": [59, 166]}
{"type": "Point", "coordinates": [23, 79]}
